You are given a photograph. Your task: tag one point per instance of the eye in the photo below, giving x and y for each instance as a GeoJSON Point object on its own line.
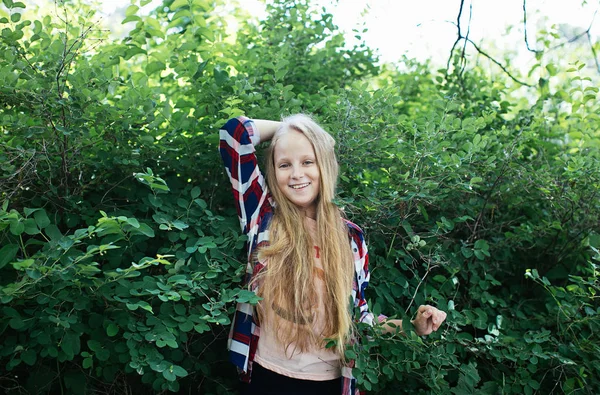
{"type": "Point", "coordinates": [308, 162]}
{"type": "Point", "coordinates": [283, 165]}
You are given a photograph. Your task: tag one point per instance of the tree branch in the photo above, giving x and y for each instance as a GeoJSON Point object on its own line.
{"type": "Point", "coordinates": [499, 65]}
{"type": "Point", "coordinates": [463, 57]}
{"type": "Point", "coordinates": [525, 28]}
{"type": "Point", "coordinates": [459, 35]}
{"type": "Point", "coordinates": [593, 51]}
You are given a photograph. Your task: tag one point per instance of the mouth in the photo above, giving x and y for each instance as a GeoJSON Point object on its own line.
{"type": "Point", "coordinates": [300, 186]}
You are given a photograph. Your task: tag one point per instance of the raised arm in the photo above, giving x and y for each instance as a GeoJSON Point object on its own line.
{"type": "Point", "coordinates": [250, 192]}
{"type": "Point", "coordinates": [267, 129]}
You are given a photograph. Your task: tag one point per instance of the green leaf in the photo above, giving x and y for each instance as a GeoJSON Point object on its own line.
{"type": "Point", "coordinates": [16, 227]}
{"type": "Point", "coordinates": [53, 232]}
{"type": "Point", "coordinates": [130, 18]}
{"type": "Point", "coordinates": [221, 76]}
{"type": "Point", "coordinates": [29, 357]}
{"type": "Point", "coordinates": [482, 245]}
{"type": "Point", "coordinates": [172, 343]}
{"type": "Point", "coordinates": [186, 326]}
{"type": "Point", "coordinates": [70, 345]}
{"type": "Point", "coordinates": [201, 203]}
{"type": "Point", "coordinates": [182, 203]}
{"type": "Point", "coordinates": [8, 254]}
{"type": "Point", "coordinates": [202, 327]}
{"type": "Point", "coordinates": [29, 211]}
{"type": "Point", "coordinates": [16, 323]}
{"type": "Point", "coordinates": [475, 180]}
{"type": "Point", "coordinates": [132, 50]}
{"type": "Point", "coordinates": [552, 70]}
{"type": "Point", "coordinates": [152, 68]}
{"type": "Point", "coordinates": [133, 222]}
{"type": "Point", "coordinates": [180, 309]}
{"type": "Point", "coordinates": [112, 330]}
{"type": "Point", "coordinates": [87, 363]}
{"type": "Point", "coordinates": [169, 375]}
{"type": "Point", "coordinates": [94, 345]}
{"type": "Point", "coordinates": [16, 17]}
{"type": "Point", "coordinates": [146, 230]}
{"type": "Point", "coordinates": [24, 264]}
{"type": "Point", "coordinates": [31, 227]}
{"type": "Point", "coordinates": [177, 4]}
{"type": "Point", "coordinates": [179, 371]}
{"type": "Point", "coordinates": [131, 10]}
{"type": "Point", "coordinates": [41, 218]}
{"type": "Point", "coordinates": [102, 355]}
{"type": "Point", "coordinates": [195, 192]}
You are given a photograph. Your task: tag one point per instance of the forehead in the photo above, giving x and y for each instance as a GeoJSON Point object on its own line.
{"type": "Point", "coordinates": [293, 144]}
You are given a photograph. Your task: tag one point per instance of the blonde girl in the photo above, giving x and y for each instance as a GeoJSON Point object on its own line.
{"type": "Point", "coordinates": [305, 261]}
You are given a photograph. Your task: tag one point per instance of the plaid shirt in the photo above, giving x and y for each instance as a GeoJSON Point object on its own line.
{"type": "Point", "coordinates": [255, 210]}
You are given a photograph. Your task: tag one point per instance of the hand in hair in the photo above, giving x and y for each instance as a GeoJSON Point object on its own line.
{"type": "Point", "coordinates": [267, 128]}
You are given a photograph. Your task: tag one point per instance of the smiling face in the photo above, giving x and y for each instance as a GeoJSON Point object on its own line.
{"type": "Point", "coordinates": [296, 170]}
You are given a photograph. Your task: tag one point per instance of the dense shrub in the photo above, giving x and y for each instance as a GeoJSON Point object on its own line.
{"type": "Point", "coordinates": [120, 256]}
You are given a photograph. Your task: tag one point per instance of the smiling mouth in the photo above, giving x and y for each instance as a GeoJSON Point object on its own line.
{"type": "Point", "coordinates": [300, 186]}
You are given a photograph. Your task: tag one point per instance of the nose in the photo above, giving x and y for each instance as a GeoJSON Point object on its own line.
{"type": "Point", "coordinates": [297, 172]}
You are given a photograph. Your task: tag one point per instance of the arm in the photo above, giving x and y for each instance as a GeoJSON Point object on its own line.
{"type": "Point", "coordinates": [267, 128]}
{"type": "Point", "coordinates": [238, 138]}
{"type": "Point", "coordinates": [428, 320]}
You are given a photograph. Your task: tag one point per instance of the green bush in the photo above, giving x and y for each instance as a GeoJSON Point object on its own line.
{"type": "Point", "coordinates": [120, 255]}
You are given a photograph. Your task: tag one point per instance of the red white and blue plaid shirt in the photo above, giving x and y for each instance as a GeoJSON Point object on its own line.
{"type": "Point", "coordinates": [255, 209]}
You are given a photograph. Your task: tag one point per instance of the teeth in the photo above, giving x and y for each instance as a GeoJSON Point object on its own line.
{"type": "Point", "coordinates": [300, 186]}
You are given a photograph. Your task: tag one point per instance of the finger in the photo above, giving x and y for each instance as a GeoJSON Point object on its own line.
{"type": "Point", "coordinates": [426, 311]}
{"type": "Point", "coordinates": [437, 317]}
{"type": "Point", "coordinates": [429, 327]}
{"type": "Point", "coordinates": [441, 317]}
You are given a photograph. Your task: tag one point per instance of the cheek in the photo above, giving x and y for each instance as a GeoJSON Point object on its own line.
{"type": "Point", "coordinates": [317, 175]}
{"type": "Point", "coordinates": [280, 176]}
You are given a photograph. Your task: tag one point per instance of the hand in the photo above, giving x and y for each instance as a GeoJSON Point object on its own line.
{"type": "Point", "coordinates": [428, 320]}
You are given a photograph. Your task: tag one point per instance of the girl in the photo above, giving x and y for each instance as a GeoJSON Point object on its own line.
{"type": "Point", "coordinates": [304, 260]}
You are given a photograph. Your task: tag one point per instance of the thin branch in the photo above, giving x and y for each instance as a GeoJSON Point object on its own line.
{"type": "Point", "coordinates": [577, 37]}
{"type": "Point", "coordinates": [499, 65]}
{"type": "Point", "coordinates": [589, 37]}
{"type": "Point", "coordinates": [429, 269]}
{"type": "Point", "coordinates": [525, 28]}
{"type": "Point", "coordinates": [463, 57]}
{"type": "Point", "coordinates": [459, 35]}
{"type": "Point", "coordinates": [593, 51]}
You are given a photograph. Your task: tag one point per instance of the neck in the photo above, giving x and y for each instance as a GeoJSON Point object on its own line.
{"type": "Point", "coordinates": [309, 213]}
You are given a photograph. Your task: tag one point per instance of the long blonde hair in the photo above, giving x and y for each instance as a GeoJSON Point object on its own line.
{"type": "Point", "coordinates": [287, 283]}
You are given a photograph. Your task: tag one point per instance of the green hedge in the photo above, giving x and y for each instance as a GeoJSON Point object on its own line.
{"type": "Point", "coordinates": [120, 255]}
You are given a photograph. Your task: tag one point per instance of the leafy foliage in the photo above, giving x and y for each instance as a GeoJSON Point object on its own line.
{"type": "Point", "coordinates": [120, 255]}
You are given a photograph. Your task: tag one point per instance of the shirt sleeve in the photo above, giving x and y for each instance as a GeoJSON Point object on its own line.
{"type": "Point", "coordinates": [362, 278]}
{"type": "Point", "coordinates": [361, 263]}
{"type": "Point", "coordinates": [238, 138]}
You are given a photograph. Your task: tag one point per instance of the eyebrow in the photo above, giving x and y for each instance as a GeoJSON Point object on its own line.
{"type": "Point", "coordinates": [285, 158]}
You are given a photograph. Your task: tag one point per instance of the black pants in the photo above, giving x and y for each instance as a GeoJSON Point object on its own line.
{"type": "Point", "coordinates": [266, 382]}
